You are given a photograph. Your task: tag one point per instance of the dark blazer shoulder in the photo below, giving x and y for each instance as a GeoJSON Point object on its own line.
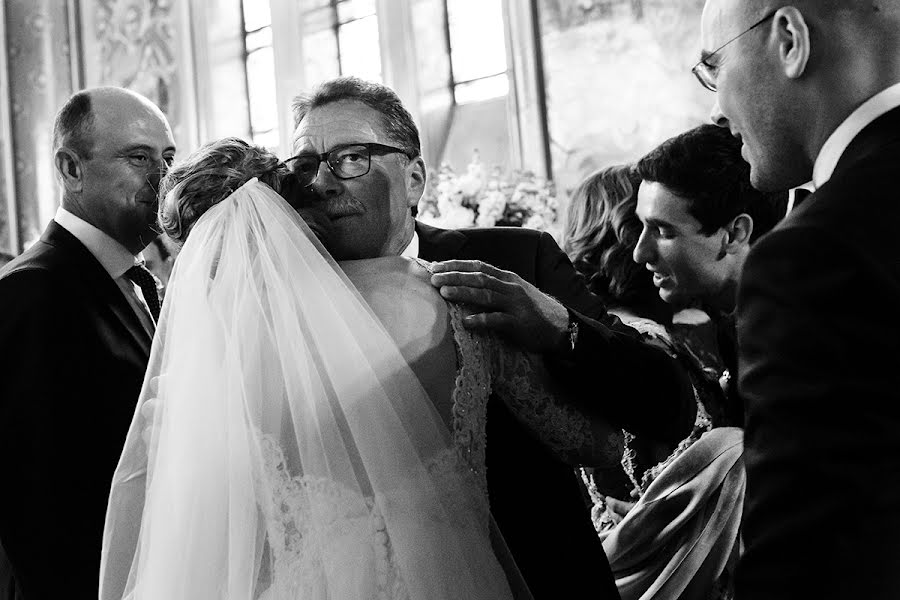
{"type": "Point", "coordinates": [55, 251]}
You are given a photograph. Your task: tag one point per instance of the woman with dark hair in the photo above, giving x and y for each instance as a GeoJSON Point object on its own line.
{"type": "Point", "coordinates": [665, 528]}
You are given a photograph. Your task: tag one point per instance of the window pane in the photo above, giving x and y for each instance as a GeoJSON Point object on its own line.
{"type": "Point", "coordinates": [313, 4]}
{"type": "Point", "coordinates": [318, 20]}
{"type": "Point", "coordinates": [618, 80]}
{"type": "Point", "coordinates": [360, 53]}
{"type": "Point", "coordinates": [350, 10]}
{"type": "Point", "coordinates": [256, 14]}
{"type": "Point", "coordinates": [320, 57]}
{"type": "Point", "coordinates": [258, 39]}
{"type": "Point", "coordinates": [482, 89]}
{"type": "Point", "coordinates": [261, 89]}
{"type": "Point", "coordinates": [477, 43]}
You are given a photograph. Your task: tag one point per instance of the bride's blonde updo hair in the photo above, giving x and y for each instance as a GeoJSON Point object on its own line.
{"type": "Point", "coordinates": [210, 175]}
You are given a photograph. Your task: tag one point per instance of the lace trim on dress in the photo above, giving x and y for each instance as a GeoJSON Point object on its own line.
{"type": "Point", "coordinates": [487, 364]}
{"type": "Point", "coordinates": [312, 517]}
{"type": "Point", "coordinates": [657, 335]}
{"type": "Point", "coordinates": [561, 427]}
{"type": "Point", "coordinates": [309, 518]}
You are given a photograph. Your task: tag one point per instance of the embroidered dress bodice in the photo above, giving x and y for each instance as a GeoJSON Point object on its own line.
{"type": "Point", "coordinates": [310, 518]}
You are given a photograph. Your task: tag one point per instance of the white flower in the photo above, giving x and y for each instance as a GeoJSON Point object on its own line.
{"type": "Point", "coordinates": [485, 220]}
{"type": "Point", "coordinates": [469, 185]}
{"type": "Point", "coordinates": [535, 222]}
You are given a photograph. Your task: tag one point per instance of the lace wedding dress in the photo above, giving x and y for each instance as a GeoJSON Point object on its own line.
{"type": "Point", "coordinates": [282, 447]}
{"type": "Point", "coordinates": [681, 537]}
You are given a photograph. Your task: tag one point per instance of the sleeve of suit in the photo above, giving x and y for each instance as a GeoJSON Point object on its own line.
{"type": "Point", "coordinates": [613, 373]}
{"type": "Point", "coordinates": [821, 425]}
{"type": "Point", "coordinates": [37, 378]}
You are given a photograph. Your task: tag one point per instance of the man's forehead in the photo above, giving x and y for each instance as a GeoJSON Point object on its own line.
{"type": "Point", "coordinates": [724, 19]}
{"type": "Point", "coordinates": [658, 203]}
{"type": "Point", "coordinates": [333, 124]}
{"type": "Point", "coordinates": [130, 126]}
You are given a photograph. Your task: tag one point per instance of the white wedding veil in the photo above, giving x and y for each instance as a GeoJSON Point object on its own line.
{"type": "Point", "coordinates": [290, 451]}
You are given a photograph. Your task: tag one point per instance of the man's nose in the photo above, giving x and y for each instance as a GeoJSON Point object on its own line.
{"type": "Point", "coordinates": [717, 116]}
{"type": "Point", "coordinates": [642, 250]}
{"type": "Point", "coordinates": [156, 173]}
{"type": "Point", "coordinates": [325, 184]}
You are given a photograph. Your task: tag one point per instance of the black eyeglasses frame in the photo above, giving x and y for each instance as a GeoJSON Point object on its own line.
{"type": "Point", "coordinates": [371, 148]}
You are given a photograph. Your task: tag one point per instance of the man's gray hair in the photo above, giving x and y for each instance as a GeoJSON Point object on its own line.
{"type": "Point", "coordinates": [398, 123]}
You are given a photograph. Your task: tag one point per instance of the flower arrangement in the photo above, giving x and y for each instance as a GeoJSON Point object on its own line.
{"type": "Point", "coordinates": [486, 199]}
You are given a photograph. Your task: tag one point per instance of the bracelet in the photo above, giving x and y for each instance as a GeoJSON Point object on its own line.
{"type": "Point", "coordinates": [572, 332]}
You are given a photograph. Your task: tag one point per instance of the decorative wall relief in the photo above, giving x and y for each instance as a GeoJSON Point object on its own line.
{"type": "Point", "coordinates": [144, 45]}
{"type": "Point", "coordinates": [39, 78]}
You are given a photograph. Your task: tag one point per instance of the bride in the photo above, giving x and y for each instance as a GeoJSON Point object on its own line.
{"type": "Point", "coordinates": [283, 445]}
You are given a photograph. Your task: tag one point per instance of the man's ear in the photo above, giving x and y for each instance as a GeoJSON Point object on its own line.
{"type": "Point", "coordinates": [70, 169]}
{"type": "Point", "coordinates": [738, 233]}
{"type": "Point", "coordinates": [415, 181]}
{"type": "Point", "coordinates": [792, 39]}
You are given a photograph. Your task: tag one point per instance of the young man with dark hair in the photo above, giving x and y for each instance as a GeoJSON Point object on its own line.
{"type": "Point", "coordinates": [700, 215]}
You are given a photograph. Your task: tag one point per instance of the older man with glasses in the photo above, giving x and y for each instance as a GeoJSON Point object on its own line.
{"type": "Point", "coordinates": [357, 157]}
{"type": "Point", "coordinates": [813, 91]}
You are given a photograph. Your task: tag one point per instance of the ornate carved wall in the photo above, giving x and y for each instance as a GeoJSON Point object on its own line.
{"type": "Point", "coordinates": [143, 45]}
{"type": "Point", "coordinates": [38, 76]}
{"type": "Point", "coordinates": [55, 47]}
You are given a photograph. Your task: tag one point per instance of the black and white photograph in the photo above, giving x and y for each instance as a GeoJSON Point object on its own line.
{"type": "Point", "coordinates": [449, 300]}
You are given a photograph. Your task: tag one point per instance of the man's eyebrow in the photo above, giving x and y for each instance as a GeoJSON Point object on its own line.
{"type": "Point", "coordinates": [655, 222]}
{"type": "Point", "coordinates": [146, 148]}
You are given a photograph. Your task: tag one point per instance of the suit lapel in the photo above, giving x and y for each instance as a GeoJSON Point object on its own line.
{"type": "Point", "coordinates": [439, 244]}
{"type": "Point", "coordinates": [92, 278]}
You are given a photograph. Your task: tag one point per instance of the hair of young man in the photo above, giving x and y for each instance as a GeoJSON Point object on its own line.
{"type": "Point", "coordinates": [397, 122]}
{"type": "Point", "coordinates": [705, 167]}
{"type": "Point", "coordinates": [73, 126]}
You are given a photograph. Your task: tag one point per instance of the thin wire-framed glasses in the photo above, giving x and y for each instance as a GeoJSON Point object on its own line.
{"type": "Point", "coordinates": [705, 72]}
{"type": "Point", "coordinates": [347, 161]}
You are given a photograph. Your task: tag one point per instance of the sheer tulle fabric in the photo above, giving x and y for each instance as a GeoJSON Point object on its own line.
{"type": "Point", "coordinates": [291, 452]}
{"type": "Point", "coordinates": [683, 533]}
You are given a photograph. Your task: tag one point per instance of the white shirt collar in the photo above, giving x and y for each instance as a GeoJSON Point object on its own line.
{"type": "Point", "coordinates": [838, 141]}
{"type": "Point", "coordinates": [412, 250]}
{"type": "Point", "coordinates": [112, 255]}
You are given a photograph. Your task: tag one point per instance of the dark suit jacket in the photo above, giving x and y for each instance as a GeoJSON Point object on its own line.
{"type": "Point", "coordinates": [72, 360]}
{"type": "Point", "coordinates": [819, 340]}
{"type": "Point", "coordinates": [535, 498]}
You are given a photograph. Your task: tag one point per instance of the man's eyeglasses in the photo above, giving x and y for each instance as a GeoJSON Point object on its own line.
{"type": "Point", "coordinates": [347, 161]}
{"type": "Point", "coordinates": [705, 72]}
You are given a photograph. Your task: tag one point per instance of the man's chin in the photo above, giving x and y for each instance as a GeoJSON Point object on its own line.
{"type": "Point", "coordinates": [670, 296]}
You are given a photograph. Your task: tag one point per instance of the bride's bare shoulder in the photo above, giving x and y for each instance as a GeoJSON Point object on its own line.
{"type": "Point", "coordinates": [387, 272]}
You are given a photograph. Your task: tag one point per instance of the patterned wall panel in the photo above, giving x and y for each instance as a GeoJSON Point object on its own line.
{"type": "Point", "coordinates": [144, 45]}
{"type": "Point", "coordinates": [39, 78]}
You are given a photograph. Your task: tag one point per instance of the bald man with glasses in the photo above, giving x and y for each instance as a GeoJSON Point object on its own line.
{"type": "Point", "coordinates": [812, 89]}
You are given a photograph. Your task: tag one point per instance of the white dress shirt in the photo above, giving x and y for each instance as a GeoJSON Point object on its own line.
{"type": "Point", "coordinates": [412, 249]}
{"type": "Point", "coordinates": [834, 147]}
{"type": "Point", "coordinates": [114, 258]}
